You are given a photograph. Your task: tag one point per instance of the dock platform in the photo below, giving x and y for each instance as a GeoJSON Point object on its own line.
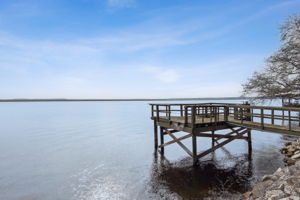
{"type": "Point", "coordinates": [204, 120]}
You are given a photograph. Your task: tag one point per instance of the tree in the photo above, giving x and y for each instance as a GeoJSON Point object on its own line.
{"type": "Point", "coordinates": [281, 76]}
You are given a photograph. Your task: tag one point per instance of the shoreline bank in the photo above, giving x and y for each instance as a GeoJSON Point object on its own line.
{"type": "Point", "coordinates": [284, 183]}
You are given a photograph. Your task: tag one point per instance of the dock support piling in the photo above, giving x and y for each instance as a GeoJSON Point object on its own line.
{"type": "Point", "coordinates": [162, 148]}
{"type": "Point", "coordinates": [194, 137]}
{"type": "Point", "coordinates": [249, 144]}
{"type": "Point", "coordinates": [194, 143]}
{"type": "Point", "coordinates": [212, 138]}
{"type": "Point", "coordinates": [155, 136]}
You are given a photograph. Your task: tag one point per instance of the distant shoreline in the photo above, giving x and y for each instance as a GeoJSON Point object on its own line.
{"type": "Point", "coordinates": [163, 99]}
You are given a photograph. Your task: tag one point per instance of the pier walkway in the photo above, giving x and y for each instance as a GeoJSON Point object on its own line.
{"type": "Point", "coordinates": [204, 120]}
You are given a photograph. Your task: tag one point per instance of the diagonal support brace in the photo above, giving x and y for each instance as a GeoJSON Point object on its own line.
{"type": "Point", "coordinates": [222, 143]}
{"type": "Point", "coordinates": [179, 143]}
{"type": "Point", "coordinates": [176, 140]}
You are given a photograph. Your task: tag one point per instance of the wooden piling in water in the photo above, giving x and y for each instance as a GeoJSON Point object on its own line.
{"type": "Point", "coordinates": [212, 138]}
{"type": "Point", "coordinates": [155, 135]}
{"type": "Point", "coordinates": [249, 139]}
{"type": "Point", "coordinates": [162, 148]}
{"type": "Point", "coordinates": [194, 137]}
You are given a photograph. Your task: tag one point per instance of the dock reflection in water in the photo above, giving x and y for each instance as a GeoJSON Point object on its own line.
{"type": "Point", "coordinates": [182, 180]}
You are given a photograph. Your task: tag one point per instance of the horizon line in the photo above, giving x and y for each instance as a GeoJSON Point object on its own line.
{"type": "Point", "coordinates": [117, 99]}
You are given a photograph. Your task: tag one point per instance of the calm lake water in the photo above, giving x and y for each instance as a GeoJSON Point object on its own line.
{"type": "Point", "coordinates": [104, 150]}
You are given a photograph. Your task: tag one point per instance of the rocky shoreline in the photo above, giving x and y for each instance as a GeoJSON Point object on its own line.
{"type": "Point", "coordinates": [284, 184]}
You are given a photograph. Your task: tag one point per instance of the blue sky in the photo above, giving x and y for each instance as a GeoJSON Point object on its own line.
{"type": "Point", "coordinates": [135, 48]}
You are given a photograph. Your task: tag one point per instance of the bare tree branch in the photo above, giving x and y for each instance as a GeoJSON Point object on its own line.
{"type": "Point", "coordinates": [281, 76]}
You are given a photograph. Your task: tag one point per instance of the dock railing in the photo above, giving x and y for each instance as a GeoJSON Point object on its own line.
{"type": "Point", "coordinates": [190, 112]}
{"type": "Point", "coordinates": [263, 116]}
{"type": "Point", "coordinates": [267, 115]}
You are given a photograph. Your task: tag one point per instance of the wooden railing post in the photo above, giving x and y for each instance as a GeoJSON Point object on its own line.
{"type": "Point", "coordinates": [203, 115]}
{"type": "Point", "coordinates": [166, 111]}
{"type": "Point", "coordinates": [262, 117]}
{"type": "Point", "coordinates": [248, 113]}
{"type": "Point", "coordinates": [181, 110]}
{"type": "Point", "coordinates": [290, 122]}
{"type": "Point", "coordinates": [157, 112]}
{"type": "Point", "coordinates": [193, 120]}
{"type": "Point", "coordinates": [299, 118]}
{"type": "Point", "coordinates": [185, 114]}
{"type": "Point", "coordinates": [226, 113]}
{"type": "Point", "coordinates": [215, 114]}
{"type": "Point", "coordinates": [210, 114]}
{"type": "Point", "coordinates": [242, 115]}
{"type": "Point", "coordinates": [235, 113]}
{"type": "Point", "coordinates": [272, 116]}
{"type": "Point", "coordinates": [152, 112]}
{"type": "Point", "coordinates": [169, 112]}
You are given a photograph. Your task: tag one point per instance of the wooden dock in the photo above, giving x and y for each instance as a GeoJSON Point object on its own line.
{"type": "Point", "coordinates": [204, 120]}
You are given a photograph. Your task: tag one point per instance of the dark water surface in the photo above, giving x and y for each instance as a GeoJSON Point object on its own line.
{"type": "Point", "coordinates": [104, 150]}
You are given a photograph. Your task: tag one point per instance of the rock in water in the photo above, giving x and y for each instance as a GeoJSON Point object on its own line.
{"type": "Point", "coordinates": [296, 156]}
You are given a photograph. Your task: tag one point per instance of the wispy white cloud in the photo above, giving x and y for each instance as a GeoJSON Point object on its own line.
{"type": "Point", "coordinates": [153, 34]}
{"type": "Point", "coordinates": [131, 41]}
{"type": "Point", "coordinates": [95, 66]}
{"type": "Point", "coordinates": [142, 36]}
{"type": "Point", "coordinates": [163, 74]}
{"type": "Point", "coordinates": [120, 3]}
